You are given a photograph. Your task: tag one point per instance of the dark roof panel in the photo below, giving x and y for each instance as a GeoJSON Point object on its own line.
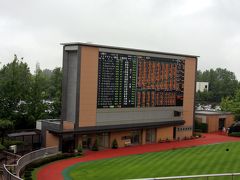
{"type": "Point", "coordinates": [110, 128]}
{"type": "Point", "coordinates": [24, 133]}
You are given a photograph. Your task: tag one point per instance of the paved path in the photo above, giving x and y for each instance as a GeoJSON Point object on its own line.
{"type": "Point", "coordinates": [54, 170]}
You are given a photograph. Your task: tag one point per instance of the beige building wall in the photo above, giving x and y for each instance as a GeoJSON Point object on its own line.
{"type": "Point", "coordinates": [143, 136]}
{"type": "Point", "coordinates": [213, 122]}
{"type": "Point", "coordinates": [229, 120]}
{"type": "Point", "coordinates": [51, 140]}
{"type": "Point", "coordinates": [68, 125]}
{"type": "Point", "coordinates": [88, 86]}
{"type": "Point", "coordinates": [184, 134]}
{"type": "Point", "coordinates": [189, 90]}
{"type": "Point", "coordinates": [78, 140]}
{"type": "Point", "coordinates": [189, 96]}
{"type": "Point", "coordinates": [164, 133]}
{"type": "Point", "coordinates": [118, 136]}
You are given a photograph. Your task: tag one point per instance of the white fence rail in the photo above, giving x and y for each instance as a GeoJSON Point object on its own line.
{"type": "Point", "coordinates": [233, 176]}
{"type": "Point", "coordinates": [11, 172]}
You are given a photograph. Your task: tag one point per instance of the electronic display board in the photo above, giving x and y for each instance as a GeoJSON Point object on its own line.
{"type": "Point", "coordinates": [139, 81]}
{"type": "Point", "coordinates": [116, 80]}
{"type": "Point", "coordinates": [159, 82]}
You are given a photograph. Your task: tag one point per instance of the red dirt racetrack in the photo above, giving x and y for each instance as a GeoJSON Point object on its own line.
{"type": "Point", "coordinates": [54, 170]}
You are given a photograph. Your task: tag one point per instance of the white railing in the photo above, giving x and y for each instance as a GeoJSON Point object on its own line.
{"type": "Point", "coordinates": [204, 176]}
{"type": "Point", "coordinates": [12, 172]}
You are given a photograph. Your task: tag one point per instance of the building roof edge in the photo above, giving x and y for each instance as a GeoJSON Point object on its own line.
{"type": "Point", "coordinates": [124, 48]}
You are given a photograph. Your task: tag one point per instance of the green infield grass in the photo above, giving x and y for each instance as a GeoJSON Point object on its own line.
{"type": "Point", "coordinates": [208, 159]}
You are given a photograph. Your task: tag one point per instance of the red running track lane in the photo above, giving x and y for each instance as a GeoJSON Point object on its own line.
{"type": "Point", "coordinates": [54, 170]}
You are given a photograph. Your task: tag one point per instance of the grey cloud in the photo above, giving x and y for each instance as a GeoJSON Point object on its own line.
{"type": "Point", "coordinates": [209, 28]}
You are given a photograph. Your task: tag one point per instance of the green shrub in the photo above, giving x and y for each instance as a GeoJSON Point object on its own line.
{"type": "Point", "coordinates": [80, 149]}
{"type": "Point", "coordinates": [35, 164]}
{"type": "Point", "coordinates": [27, 178]}
{"type": "Point", "coordinates": [1, 147]}
{"type": "Point", "coordinates": [237, 134]}
{"type": "Point", "coordinates": [27, 174]}
{"type": "Point", "coordinates": [114, 144]}
{"type": "Point", "coordinates": [200, 127]}
{"type": "Point", "coordinates": [8, 142]}
{"type": "Point", "coordinates": [30, 169]}
{"type": "Point", "coordinates": [47, 160]}
{"type": "Point", "coordinates": [95, 145]}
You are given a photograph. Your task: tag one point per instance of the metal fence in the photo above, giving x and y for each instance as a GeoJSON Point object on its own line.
{"type": "Point", "coordinates": [226, 176]}
{"type": "Point", "coordinates": [12, 172]}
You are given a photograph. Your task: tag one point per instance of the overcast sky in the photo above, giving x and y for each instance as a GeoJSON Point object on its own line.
{"type": "Point", "coordinates": [34, 29]}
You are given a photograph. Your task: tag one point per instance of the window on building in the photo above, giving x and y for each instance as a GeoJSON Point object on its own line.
{"type": "Point", "coordinates": [177, 114]}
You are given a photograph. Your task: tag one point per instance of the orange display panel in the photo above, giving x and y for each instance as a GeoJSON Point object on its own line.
{"type": "Point", "coordinates": [160, 81]}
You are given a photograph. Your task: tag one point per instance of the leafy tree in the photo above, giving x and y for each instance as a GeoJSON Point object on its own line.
{"type": "Point", "coordinates": [24, 97]}
{"type": "Point", "coordinates": [1, 148]}
{"type": "Point", "coordinates": [5, 125]}
{"type": "Point", "coordinates": [47, 72]}
{"type": "Point", "coordinates": [46, 92]}
{"type": "Point", "coordinates": [222, 83]}
{"type": "Point", "coordinates": [15, 79]}
{"type": "Point", "coordinates": [38, 96]}
{"type": "Point", "coordinates": [232, 105]}
{"type": "Point", "coordinates": [55, 92]}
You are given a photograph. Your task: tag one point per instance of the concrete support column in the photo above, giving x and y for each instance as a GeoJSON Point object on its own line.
{"type": "Point", "coordinates": [144, 136]}
{"type": "Point", "coordinates": [51, 139]}
{"type": "Point", "coordinates": [60, 147]}
{"type": "Point", "coordinates": [78, 140]}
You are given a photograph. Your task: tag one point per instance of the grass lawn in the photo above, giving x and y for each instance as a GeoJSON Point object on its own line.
{"type": "Point", "coordinates": [34, 173]}
{"type": "Point", "coordinates": [209, 159]}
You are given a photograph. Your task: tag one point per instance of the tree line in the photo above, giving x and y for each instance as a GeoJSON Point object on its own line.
{"type": "Point", "coordinates": [224, 90]}
{"type": "Point", "coordinates": [222, 83]}
{"type": "Point", "coordinates": [27, 97]}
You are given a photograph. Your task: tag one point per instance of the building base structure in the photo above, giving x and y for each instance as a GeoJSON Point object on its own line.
{"type": "Point", "coordinates": [215, 120]}
{"type": "Point", "coordinates": [129, 95]}
{"type": "Point", "coordinates": [138, 134]}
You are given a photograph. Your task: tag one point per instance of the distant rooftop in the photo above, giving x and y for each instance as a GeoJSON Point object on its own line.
{"type": "Point", "coordinates": [212, 113]}
{"type": "Point", "coordinates": [54, 121]}
{"type": "Point", "coordinates": [123, 48]}
{"type": "Point", "coordinates": [23, 133]}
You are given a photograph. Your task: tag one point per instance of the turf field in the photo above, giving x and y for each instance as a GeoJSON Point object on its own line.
{"type": "Point", "coordinates": [208, 159]}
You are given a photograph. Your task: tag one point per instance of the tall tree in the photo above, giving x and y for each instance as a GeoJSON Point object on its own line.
{"type": "Point", "coordinates": [38, 95]}
{"type": "Point", "coordinates": [5, 125]}
{"type": "Point", "coordinates": [232, 104]}
{"type": "Point", "coordinates": [25, 98]}
{"type": "Point", "coordinates": [222, 83]}
{"type": "Point", "coordinates": [55, 92]}
{"type": "Point", "coordinates": [15, 79]}
{"type": "Point", "coordinates": [46, 94]}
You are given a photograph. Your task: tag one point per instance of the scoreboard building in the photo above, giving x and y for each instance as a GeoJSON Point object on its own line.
{"type": "Point", "coordinates": [131, 95]}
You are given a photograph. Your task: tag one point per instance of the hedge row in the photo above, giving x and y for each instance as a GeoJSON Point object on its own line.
{"type": "Point", "coordinates": [237, 134]}
{"type": "Point", "coordinates": [30, 167]}
{"type": "Point", "coordinates": [2, 147]}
